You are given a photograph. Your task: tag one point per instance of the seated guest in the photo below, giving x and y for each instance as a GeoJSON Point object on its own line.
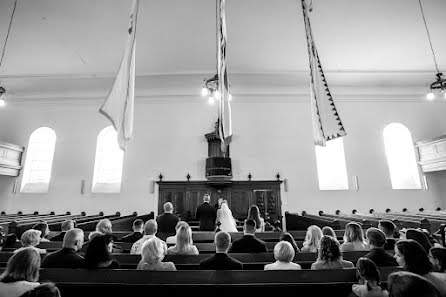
{"type": "Point", "coordinates": [254, 213]}
{"type": "Point", "coordinates": [152, 253]}
{"type": "Point", "coordinates": [437, 256]}
{"type": "Point", "coordinates": [31, 238]}
{"type": "Point", "coordinates": [68, 256]}
{"type": "Point", "coordinates": [105, 227]}
{"type": "Point", "coordinates": [369, 280]}
{"type": "Point", "coordinates": [286, 236]}
{"type": "Point", "coordinates": [43, 290]}
{"type": "Point", "coordinates": [407, 284]}
{"type": "Point", "coordinates": [150, 228]}
{"type": "Point", "coordinates": [376, 240]}
{"type": "Point", "coordinates": [327, 230]}
{"type": "Point", "coordinates": [329, 256]}
{"type": "Point", "coordinates": [173, 239]}
{"type": "Point", "coordinates": [64, 226]}
{"type": "Point", "coordinates": [248, 243]}
{"type": "Point", "coordinates": [90, 238]}
{"type": "Point", "coordinates": [98, 255]}
{"type": "Point", "coordinates": [419, 237]}
{"type": "Point", "coordinates": [167, 221]}
{"type": "Point", "coordinates": [21, 273]}
{"type": "Point", "coordinates": [413, 258]}
{"type": "Point", "coordinates": [138, 228]}
{"type": "Point", "coordinates": [221, 260]}
{"type": "Point", "coordinates": [9, 241]}
{"type": "Point", "coordinates": [284, 255]}
{"type": "Point", "coordinates": [388, 227]}
{"type": "Point", "coordinates": [184, 244]}
{"type": "Point", "coordinates": [354, 239]}
{"type": "Point", "coordinates": [44, 230]}
{"type": "Point", "coordinates": [312, 240]}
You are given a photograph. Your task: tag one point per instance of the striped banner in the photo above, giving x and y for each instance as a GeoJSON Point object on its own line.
{"type": "Point", "coordinates": [327, 124]}
{"type": "Point", "coordinates": [118, 106]}
{"type": "Point", "coordinates": [224, 107]}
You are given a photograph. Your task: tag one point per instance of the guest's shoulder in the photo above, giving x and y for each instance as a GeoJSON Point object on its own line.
{"type": "Point", "coordinates": [346, 263]}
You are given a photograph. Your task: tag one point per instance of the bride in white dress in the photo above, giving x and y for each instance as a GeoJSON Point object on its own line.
{"type": "Point", "coordinates": [227, 221]}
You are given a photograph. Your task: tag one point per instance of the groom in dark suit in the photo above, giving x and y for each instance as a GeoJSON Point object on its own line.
{"type": "Point", "coordinates": [206, 214]}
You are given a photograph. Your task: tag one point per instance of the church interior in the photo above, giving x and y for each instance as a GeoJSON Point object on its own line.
{"type": "Point", "coordinates": [59, 154]}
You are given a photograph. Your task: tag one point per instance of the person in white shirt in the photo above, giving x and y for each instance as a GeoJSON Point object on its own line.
{"type": "Point", "coordinates": [284, 255]}
{"type": "Point", "coordinates": [150, 229]}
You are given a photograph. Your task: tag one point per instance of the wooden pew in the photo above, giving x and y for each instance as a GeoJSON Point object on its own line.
{"type": "Point", "coordinates": [251, 261]}
{"type": "Point", "coordinates": [298, 222]}
{"type": "Point", "coordinates": [112, 283]}
{"type": "Point", "coordinates": [365, 224]}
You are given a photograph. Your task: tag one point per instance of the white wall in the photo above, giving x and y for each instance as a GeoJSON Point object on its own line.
{"type": "Point", "coordinates": [271, 134]}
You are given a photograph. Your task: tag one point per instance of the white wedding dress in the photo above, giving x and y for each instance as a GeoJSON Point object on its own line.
{"type": "Point", "coordinates": [227, 221]}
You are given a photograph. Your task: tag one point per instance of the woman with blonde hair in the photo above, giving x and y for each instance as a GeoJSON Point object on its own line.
{"type": "Point", "coordinates": [284, 255]}
{"type": "Point", "coordinates": [21, 273]}
{"type": "Point", "coordinates": [184, 244]}
{"type": "Point", "coordinates": [354, 239]}
{"type": "Point", "coordinates": [312, 240]}
{"type": "Point", "coordinates": [31, 238]}
{"type": "Point", "coordinates": [173, 239]}
{"type": "Point", "coordinates": [152, 254]}
{"type": "Point", "coordinates": [254, 213]}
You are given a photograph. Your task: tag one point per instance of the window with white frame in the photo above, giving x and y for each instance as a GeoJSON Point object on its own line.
{"type": "Point", "coordinates": [401, 159]}
{"type": "Point", "coordinates": [331, 168]}
{"type": "Point", "coordinates": [108, 163]}
{"type": "Point", "coordinates": [39, 161]}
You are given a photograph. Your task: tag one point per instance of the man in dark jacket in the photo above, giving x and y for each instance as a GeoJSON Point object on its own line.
{"type": "Point", "coordinates": [64, 226]}
{"type": "Point", "coordinates": [249, 243]}
{"type": "Point", "coordinates": [67, 257]}
{"type": "Point", "coordinates": [221, 260]}
{"type": "Point", "coordinates": [167, 221]}
{"type": "Point", "coordinates": [137, 227]}
{"type": "Point", "coordinates": [376, 240]}
{"type": "Point", "coordinates": [206, 214]}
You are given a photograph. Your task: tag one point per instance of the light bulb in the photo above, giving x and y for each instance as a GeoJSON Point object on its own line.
{"type": "Point", "coordinates": [217, 94]}
{"type": "Point", "coordinates": [211, 100]}
{"type": "Point", "coordinates": [2, 103]}
{"type": "Point", "coordinates": [229, 97]}
{"type": "Point", "coordinates": [430, 96]}
{"type": "Point", "coordinates": [204, 92]}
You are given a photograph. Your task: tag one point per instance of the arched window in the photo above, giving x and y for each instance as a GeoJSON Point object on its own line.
{"type": "Point", "coordinates": [39, 161]}
{"type": "Point", "coordinates": [401, 158]}
{"type": "Point", "coordinates": [108, 163]}
{"type": "Point", "coordinates": [331, 168]}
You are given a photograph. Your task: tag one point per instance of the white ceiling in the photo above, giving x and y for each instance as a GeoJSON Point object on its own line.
{"type": "Point", "coordinates": [84, 39]}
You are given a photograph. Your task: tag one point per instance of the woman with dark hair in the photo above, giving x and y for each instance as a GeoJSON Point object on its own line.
{"type": "Point", "coordinates": [44, 229]}
{"type": "Point", "coordinates": [419, 237]}
{"type": "Point", "coordinates": [408, 284]}
{"type": "Point", "coordinates": [437, 256]}
{"type": "Point", "coordinates": [43, 290]}
{"type": "Point", "coordinates": [21, 274]}
{"type": "Point", "coordinates": [330, 256]}
{"type": "Point", "coordinates": [98, 255]}
{"type": "Point", "coordinates": [286, 236]}
{"type": "Point", "coordinates": [413, 258]}
{"type": "Point", "coordinates": [369, 280]}
{"type": "Point", "coordinates": [254, 213]}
